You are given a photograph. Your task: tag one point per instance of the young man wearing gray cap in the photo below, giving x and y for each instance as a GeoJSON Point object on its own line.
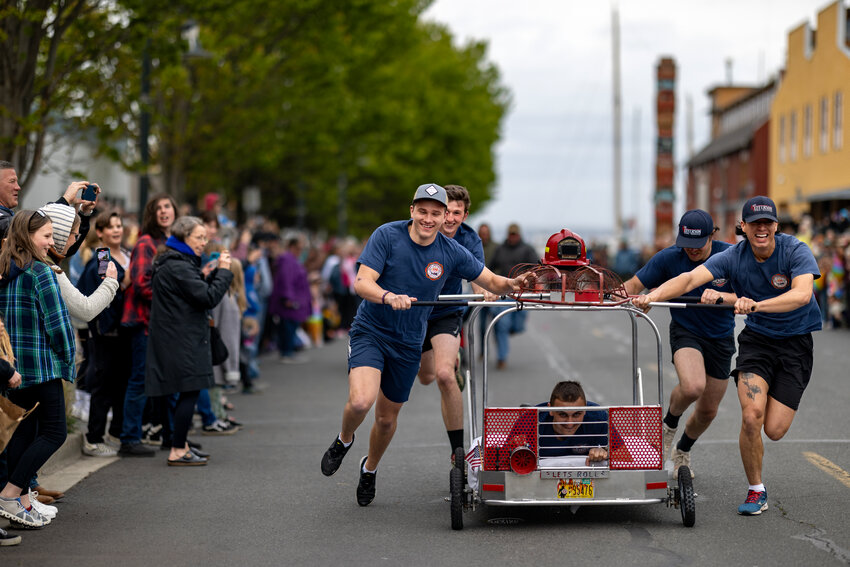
{"type": "Point", "coordinates": [403, 261]}
{"type": "Point", "coordinates": [773, 276]}
{"type": "Point", "coordinates": [702, 343]}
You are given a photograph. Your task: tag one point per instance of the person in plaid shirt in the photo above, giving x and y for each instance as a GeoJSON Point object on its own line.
{"type": "Point", "coordinates": [160, 213]}
{"type": "Point", "coordinates": [44, 347]}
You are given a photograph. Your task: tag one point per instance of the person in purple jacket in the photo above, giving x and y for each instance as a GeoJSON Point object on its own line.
{"type": "Point", "coordinates": [289, 304]}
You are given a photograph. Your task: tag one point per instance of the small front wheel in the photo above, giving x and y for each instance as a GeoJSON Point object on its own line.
{"type": "Point", "coordinates": [456, 485]}
{"type": "Point", "coordinates": [687, 503]}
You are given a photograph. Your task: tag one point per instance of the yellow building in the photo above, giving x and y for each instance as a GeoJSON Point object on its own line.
{"type": "Point", "coordinates": [810, 150]}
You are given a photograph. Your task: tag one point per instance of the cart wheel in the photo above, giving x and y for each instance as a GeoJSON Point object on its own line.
{"type": "Point", "coordinates": [456, 485]}
{"type": "Point", "coordinates": [460, 463]}
{"type": "Point", "coordinates": [687, 505]}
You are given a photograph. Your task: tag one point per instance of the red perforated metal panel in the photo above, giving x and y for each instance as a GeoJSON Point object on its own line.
{"type": "Point", "coordinates": [635, 437]}
{"type": "Point", "coordinates": [504, 431]}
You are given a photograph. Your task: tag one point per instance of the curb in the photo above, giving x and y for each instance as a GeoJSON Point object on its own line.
{"type": "Point", "coordinates": [68, 466]}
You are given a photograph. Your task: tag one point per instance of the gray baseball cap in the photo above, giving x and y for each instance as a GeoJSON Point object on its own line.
{"type": "Point", "coordinates": [431, 191]}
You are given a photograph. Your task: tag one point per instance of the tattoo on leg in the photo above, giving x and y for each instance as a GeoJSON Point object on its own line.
{"type": "Point", "coordinates": [752, 389]}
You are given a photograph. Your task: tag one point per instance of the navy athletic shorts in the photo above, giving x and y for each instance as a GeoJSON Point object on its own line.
{"type": "Point", "coordinates": [398, 364]}
{"type": "Point", "coordinates": [716, 353]}
{"type": "Point", "coordinates": [785, 363]}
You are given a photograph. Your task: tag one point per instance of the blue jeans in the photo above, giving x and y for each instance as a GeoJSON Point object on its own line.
{"type": "Point", "coordinates": [134, 398]}
{"type": "Point", "coordinates": [510, 324]}
{"type": "Point", "coordinates": [482, 320]}
{"type": "Point", "coordinates": [205, 408]}
{"type": "Point", "coordinates": [286, 329]}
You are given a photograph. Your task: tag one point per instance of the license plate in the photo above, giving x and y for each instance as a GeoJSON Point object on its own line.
{"type": "Point", "coordinates": [568, 489]}
{"type": "Point", "coordinates": [575, 474]}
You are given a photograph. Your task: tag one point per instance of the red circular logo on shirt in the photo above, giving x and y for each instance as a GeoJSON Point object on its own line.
{"type": "Point", "coordinates": [434, 271]}
{"type": "Point", "coordinates": [779, 281]}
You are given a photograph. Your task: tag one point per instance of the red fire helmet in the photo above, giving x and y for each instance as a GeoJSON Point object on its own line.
{"type": "Point", "coordinates": [565, 249]}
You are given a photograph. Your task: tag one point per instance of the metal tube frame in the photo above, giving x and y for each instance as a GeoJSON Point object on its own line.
{"type": "Point", "coordinates": [469, 347]}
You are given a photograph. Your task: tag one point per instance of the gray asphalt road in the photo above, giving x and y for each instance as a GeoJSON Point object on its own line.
{"type": "Point", "coordinates": [263, 501]}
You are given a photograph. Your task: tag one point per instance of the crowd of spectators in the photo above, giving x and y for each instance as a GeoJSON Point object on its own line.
{"type": "Point", "coordinates": [96, 344]}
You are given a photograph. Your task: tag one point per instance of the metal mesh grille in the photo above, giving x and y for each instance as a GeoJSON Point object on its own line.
{"type": "Point", "coordinates": [635, 437]}
{"type": "Point", "coordinates": [504, 431]}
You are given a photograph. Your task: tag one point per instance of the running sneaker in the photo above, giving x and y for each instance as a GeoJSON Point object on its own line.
{"type": "Point", "coordinates": [334, 455]}
{"type": "Point", "coordinates": [14, 511]}
{"type": "Point", "coordinates": [667, 435]}
{"type": "Point", "coordinates": [755, 503]}
{"type": "Point", "coordinates": [152, 434]}
{"type": "Point", "coordinates": [366, 486]}
{"type": "Point", "coordinates": [44, 509]}
{"type": "Point", "coordinates": [459, 376]}
{"type": "Point", "coordinates": [219, 427]}
{"type": "Point", "coordinates": [681, 458]}
{"type": "Point", "coordinates": [98, 449]}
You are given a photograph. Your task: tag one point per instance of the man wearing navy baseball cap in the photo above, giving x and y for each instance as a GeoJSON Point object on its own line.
{"type": "Point", "coordinates": [403, 261]}
{"type": "Point", "coordinates": [702, 342]}
{"type": "Point", "coordinates": [773, 275]}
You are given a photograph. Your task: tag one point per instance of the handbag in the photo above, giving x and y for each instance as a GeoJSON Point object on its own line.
{"type": "Point", "coordinates": [217, 347]}
{"type": "Point", "coordinates": [10, 416]}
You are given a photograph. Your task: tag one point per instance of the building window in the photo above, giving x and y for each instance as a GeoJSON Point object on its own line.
{"type": "Point", "coordinates": [807, 130]}
{"type": "Point", "coordinates": [782, 139]}
{"type": "Point", "coordinates": [837, 122]}
{"type": "Point", "coordinates": [824, 124]}
{"type": "Point", "coordinates": [792, 137]}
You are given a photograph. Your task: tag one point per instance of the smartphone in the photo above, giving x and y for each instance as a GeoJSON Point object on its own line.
{"type": "Point", "coordinates": [214, 256]}
{"type": "Point", "coordinates": [89, 193]}
{"type": "Point", "coordinates": [103, 259]}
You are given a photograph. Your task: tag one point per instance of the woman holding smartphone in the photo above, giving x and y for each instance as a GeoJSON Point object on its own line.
{"type": "Point", "coordinates": [111, 352]}
{"type": "Point", "coordinates": [44, 347]}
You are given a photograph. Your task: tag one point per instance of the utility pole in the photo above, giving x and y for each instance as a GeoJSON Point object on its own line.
{"type": "Point", "coordinates": [618, 135]}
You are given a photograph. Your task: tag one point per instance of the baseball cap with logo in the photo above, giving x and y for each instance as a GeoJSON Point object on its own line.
{"type": "Point", "coordinates": [431, 191]}
{"type": "Point", "coordinates": [695, 228]}
{"type": "Point", "coordinates": [759, 208]}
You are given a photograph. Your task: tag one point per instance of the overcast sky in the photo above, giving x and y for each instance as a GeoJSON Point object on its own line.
{"type": "Point", "coordinates": [555, 159]}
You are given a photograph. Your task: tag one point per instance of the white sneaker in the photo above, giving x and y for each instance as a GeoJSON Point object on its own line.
{"type": "Point", "coordinates": [98, 449]}
{"type": "Point", "coordinates": [681, 458]}
{"type": "Point", "coordinates": [667, 435]}
{"type": "Point", "coordinates": [44, 509]}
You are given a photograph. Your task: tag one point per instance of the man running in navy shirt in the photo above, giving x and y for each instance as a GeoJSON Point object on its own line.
{"type": "Point", "coordinates": [773, 275]}
{"type": "Point", "coordinates": [442, 339]}
{"type": "Point", "coordinates": [702, 342]}
{"type": "Point", "coordinates": [402, 262]}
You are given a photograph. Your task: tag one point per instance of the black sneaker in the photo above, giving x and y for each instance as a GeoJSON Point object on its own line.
{"type": "Point", "coordinates": [8, 539]}
{"type": "Point", "coordinates": [366, 486]}
{"type": "Point", "coordinates": [334, 455]}
{"type": "Point", "coordinates": [136, 450]}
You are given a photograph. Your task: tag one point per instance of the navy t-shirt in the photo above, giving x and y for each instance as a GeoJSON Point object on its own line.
{"type": "Point", "coordinates": [469, 239]}
{"type": "Point", "coordinates": [673, 261]}
{"type": "Point", "coordinates": [763, 280]}
{"type": "Point", "coordinates": [588, 434]}
{"type": "Point", "coordinates": [406, 268]}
